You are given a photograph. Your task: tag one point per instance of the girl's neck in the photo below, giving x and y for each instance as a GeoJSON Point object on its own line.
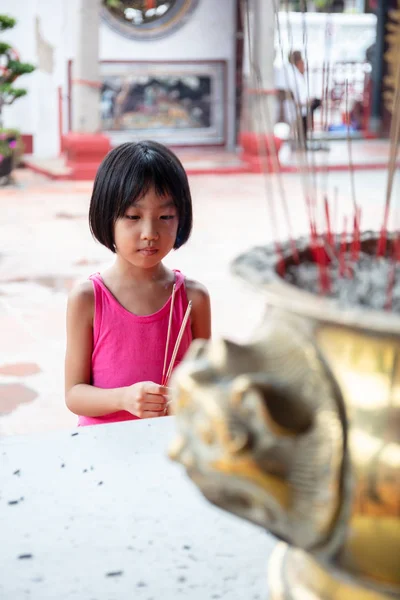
{"type": "Point", "coordinates": [127, 271]}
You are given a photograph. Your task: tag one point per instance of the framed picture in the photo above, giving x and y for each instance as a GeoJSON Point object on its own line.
{"type": "Point", "coordinates": [176, 103]}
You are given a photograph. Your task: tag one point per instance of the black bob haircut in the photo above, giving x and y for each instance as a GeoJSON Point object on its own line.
{"type": "Point", "coordinates": [126, 174]}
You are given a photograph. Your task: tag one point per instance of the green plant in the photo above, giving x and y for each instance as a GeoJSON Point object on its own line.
{"type": "Point", "coordinates": [12, 68]}
{"type": "Point", "coordinates": [112, 3]}
{"type": "Point", "coordinates": [11, 144]}
{"type": "Point", "coordinates": [320, 5]}
{"type": "Point", "coordinates": [323, 4]}
{"type": "Point", "coordinates": [10, 139]}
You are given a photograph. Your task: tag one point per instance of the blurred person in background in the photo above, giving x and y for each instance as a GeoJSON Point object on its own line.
{"type": "Point", "coordinates": [294, 106]}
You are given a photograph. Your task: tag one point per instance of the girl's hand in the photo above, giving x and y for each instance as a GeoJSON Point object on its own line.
{"type": "Point", "coordinates": [145, 399]}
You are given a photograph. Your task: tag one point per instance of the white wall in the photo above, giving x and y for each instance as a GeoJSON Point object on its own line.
{"type": "Point", "coordinates": [209, 34]}
{"type": "Point", "coordinates": [44, 28]}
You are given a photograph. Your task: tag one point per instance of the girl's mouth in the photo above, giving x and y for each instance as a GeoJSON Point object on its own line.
{"type": "Point", "coordinates": [148, 251]}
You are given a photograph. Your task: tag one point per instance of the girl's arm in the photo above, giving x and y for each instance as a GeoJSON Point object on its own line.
{"type": "Point", "coordinates": [201, 309]}
{"type": "Point", "coordinates": [145, 399]}
{"type": "Point", "coordinates": [81, 397]}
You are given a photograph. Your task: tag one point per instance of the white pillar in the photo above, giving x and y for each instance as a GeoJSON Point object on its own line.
{"type": "Point", "coordinates": [86, 98]}
{"type": "Point", "coordinates": [261, 28]}
{"type": "Point", "coordinates": [264, 35]}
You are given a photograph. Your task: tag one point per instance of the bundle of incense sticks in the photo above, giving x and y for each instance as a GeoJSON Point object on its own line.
{"type": "Point", "coordinates": [327, 241]}
{"type": "Point", "coordinates": [167, 372]}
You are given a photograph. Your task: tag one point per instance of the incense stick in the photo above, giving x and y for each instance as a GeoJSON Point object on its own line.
{"type": "Point", "coordinates": [394, 142]}
{"type": "Point", "coordinates": [324, 279]}
{"type": "Point", "coordinates": [356, 226]}
{"type": "Point", "coordinates": [171, 311]}
{"type": "Point", "coordinates": [350, 152]}
{"type": "Point", "coordinates": [335, 226]}
{"type": "Point", "coordinates": [343, 249]}
{"type": "Point", "coordinates": [329, 234]}
{"type": "Point", "coordinates": [301, 158]}
{"type": "Point", "coordinates": [263, 148]}
{"type": "Point", "coordinates": [178, 343]}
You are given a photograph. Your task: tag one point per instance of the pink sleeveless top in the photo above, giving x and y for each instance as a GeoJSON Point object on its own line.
{"type": "Point", "coordinates": [128, 348]}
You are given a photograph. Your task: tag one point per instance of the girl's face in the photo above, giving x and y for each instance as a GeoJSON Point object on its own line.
{"type": "Point", "coordinates": [147, 232]}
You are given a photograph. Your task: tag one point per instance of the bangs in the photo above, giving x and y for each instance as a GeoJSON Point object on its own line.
{"type": "Point", "coordinates": [142, 178]}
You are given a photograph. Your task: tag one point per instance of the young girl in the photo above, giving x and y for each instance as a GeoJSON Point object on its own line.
{"type": "Point", "coordinates": [117, 322]}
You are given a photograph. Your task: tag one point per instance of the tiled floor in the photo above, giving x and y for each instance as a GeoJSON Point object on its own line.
{"type": "Point", "coordinates": [45, 247]}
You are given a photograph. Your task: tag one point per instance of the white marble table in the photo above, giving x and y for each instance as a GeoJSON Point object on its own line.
{"type": "Point", "coordinates": [101, 513]}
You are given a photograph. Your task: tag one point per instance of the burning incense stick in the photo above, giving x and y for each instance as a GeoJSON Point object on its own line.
{"type": "Point", "coordinates": [171, 311]}
{"type": "Point", "coordinates": [177, 343]}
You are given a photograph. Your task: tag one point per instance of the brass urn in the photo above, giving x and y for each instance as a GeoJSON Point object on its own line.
{"type": "Point", "coordinates": [299, 432]}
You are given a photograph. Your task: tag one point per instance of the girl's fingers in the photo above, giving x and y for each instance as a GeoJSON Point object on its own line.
{"type": "Point", "coordinates": [156, 389]}
{"type": "Point", "coordinates": [148, 414]}
{"type": "Point", "coordinates": [154, 399]}
{"type": "Point", "coordinates": [154, 407]}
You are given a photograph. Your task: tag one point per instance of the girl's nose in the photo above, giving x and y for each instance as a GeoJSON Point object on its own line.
{"type": "Point", "coordinates": [149, 231]}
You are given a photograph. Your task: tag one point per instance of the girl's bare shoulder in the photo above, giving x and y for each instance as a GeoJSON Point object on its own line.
{"type": "Point", "coordinates": [201, 309]}
{"type": "Point", "coordinates": [81, 298]}
{"type": "Point", "coordinates": [196, 292]}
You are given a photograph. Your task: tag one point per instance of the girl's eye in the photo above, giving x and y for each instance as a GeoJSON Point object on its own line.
{"type": "Point", "coordinates": [132, 217]}
{"type": "Point", "coordinates": [167, 217]}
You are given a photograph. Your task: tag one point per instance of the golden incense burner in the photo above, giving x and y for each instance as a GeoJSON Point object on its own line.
{"type": "Point", "coordinates": [299, 433]}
